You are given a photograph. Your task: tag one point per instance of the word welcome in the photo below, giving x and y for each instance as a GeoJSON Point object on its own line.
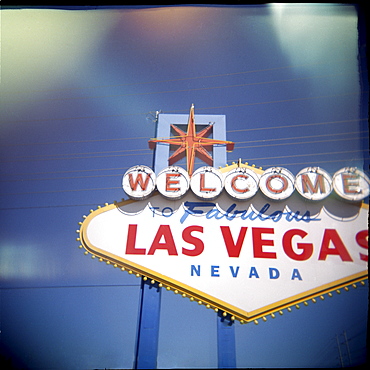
{"type": "Point", "coordinates": [242, 183]}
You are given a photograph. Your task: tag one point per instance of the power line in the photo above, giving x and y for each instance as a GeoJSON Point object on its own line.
{"type": "Point", "coordinates": [46, 207]}
{"type": "Point", "coordinates": [298, 125]}
{"type": "Point", "coordinates": [60, 191]}
{"type": "Point", "coordinates": [62, 178]}
{"type": "Point", "coordinates": [185, 90]}
{"type": "Point", "coordinates": [309, 154]}
{"type": "Point", "coordinates": [108, 153]}
{"type": "Point", "coordinates": [69, 286]}
{"type": "Point", "coordinates": [280, 101]}
{"type": "Point", "coordinates": [300, 137]}
{"type": "Point", "coordinates": [302, 142]}
{"type": "Point", "coordinates": [77, 141]}
{"type": "Point", "coordinates": [95, 204]}
{"type": "Point", "coordinates": [125, 168]}
{"type": "Point", "coordinates": [198, 108]}
{"type": "Point", "coordinates": [147, 138]}
{"type": "Point", "coordinates": [179, 79]}
{"type": "Point", "coordinates": [310, 164]}
{"type": "Point", "coordinates": [70, 171]}
{"type": "Point", "coordinates": [112, 188]}
{"type": "Point", "coordinates": [88, 157]}
{"type": "Point", "coordinates": [83, 153]}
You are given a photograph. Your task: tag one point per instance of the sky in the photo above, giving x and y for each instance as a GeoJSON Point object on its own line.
{"type": "Point", "coordinates": [79, 93]}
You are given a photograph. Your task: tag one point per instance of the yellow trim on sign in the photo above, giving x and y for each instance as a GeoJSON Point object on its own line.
{"type": "Point", "coordinates": [228, 168]}
{"type": "Point", "coordinates": [196, 295]}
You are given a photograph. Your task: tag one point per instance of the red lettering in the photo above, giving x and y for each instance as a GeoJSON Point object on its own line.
{"type": "Point", "coordinates": [188, 238]}
{"type": "Point", "coordinates": [308, 187]}
{"type": "Point", "coordinates": [258, 242]}
{"type": "Point", "coordinates": [331, 235]}
{"type": "Point", "coordinates": [170, 182]}
{"type": "Point", "coordinates": [233, 249]}
{"type": "Point", "coordinates": [233, 186]}
{"type": "Point", "coordinates": [284, 184]}
{"type": "Point", "coordinates": [349, 181]}
{"type": "Point", "coordinates": [138, 181]}
{"type": "Point", "coordinates": [164, 232]}
{"type": "Point", "coordinates": [202, 181]}
{"type": "Point", "coordinates": [307, 248]}
{"type": "Point", "coordinates": [131, 241]}
{"type": "Point", "coordinates": [362, 239]}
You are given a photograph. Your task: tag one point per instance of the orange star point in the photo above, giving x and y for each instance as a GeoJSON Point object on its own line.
{"type": "Point", "coordinates": [192, 144]}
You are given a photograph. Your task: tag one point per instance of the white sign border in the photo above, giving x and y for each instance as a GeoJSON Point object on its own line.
{"type": "Point", "coordinates": [200, 297]}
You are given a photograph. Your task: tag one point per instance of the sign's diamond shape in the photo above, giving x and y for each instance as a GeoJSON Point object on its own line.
{"type": "Point", "coordinates": [248, 258]}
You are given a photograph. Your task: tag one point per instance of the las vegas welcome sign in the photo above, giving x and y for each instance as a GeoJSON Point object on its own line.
{"type": "Point", "coordinates": [237, 239]}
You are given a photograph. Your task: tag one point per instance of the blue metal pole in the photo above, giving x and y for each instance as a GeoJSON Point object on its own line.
{"type": "Point", "coordinates": [226, 342]}
{"type": "Point", "coordinates": [148, 326]}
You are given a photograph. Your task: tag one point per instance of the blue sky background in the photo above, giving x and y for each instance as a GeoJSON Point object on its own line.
{"type": "Point", "coordinates": [78, 92]}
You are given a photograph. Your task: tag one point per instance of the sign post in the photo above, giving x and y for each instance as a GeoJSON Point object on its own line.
{"type": "Point", "coordinates": [148, 326]}
{"type": "Point", "coordinates": [225, 342]}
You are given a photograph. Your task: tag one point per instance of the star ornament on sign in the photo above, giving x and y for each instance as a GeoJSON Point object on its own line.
{"type": "Point", "coordinates": [192, 144]}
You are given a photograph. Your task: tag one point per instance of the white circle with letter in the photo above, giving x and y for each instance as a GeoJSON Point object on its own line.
{"type": "Point", "coordinates": [139, 182]}
{"type": "Point", "coordinates": [313, 183]}
{"type": "Point", "coordinates": [207, 183]}
{"type": "Point", "coordinates": [351, 184]}
{"type": "Point", "coordinates": [173, 182]}
{"type": "Point", "coordinates": [277, 183]}
{"type": "Point", "coordinates": [241, 183]}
